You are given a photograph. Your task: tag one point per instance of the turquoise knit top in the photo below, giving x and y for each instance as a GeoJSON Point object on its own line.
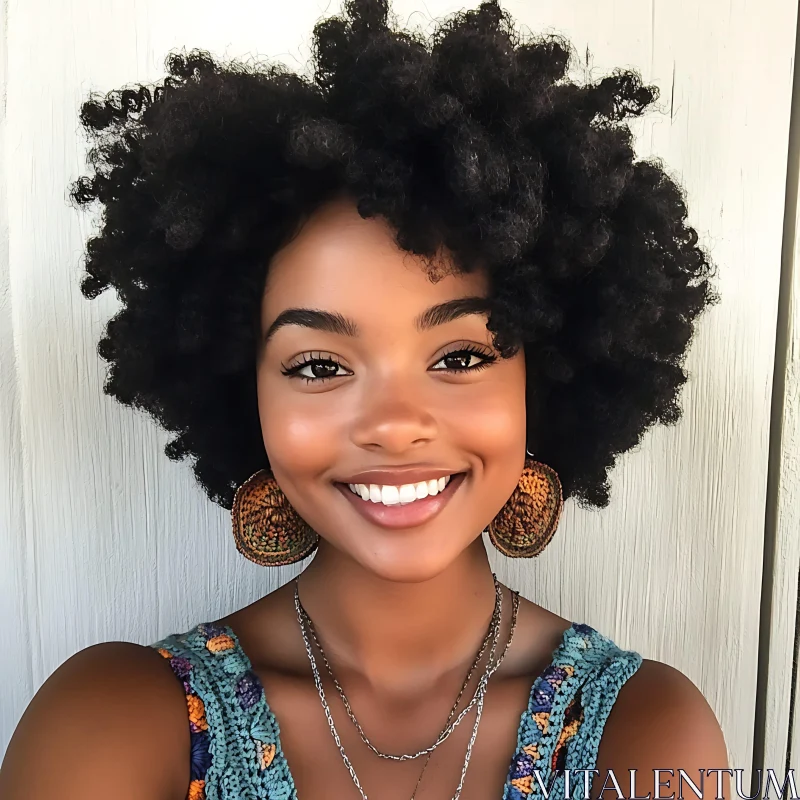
{"type": "Point", "coordinates": [236, 749]}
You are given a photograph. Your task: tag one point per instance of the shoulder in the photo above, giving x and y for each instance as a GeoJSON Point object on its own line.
{"type": "Point", "coordinates": [110, 721]}
{"type": "Point", "coordinates": [659, 706]}
{"type": "Point", "coordinates": [660, 721]}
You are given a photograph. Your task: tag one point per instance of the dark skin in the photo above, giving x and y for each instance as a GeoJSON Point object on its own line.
{"type": "Point", "coordinates": [401, 613]}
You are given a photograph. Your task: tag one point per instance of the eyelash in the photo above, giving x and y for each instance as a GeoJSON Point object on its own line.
{"type": "Point", "coordinates": [292, 372]}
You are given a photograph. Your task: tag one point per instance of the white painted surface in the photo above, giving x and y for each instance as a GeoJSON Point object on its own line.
{"type": "Point", "coordinates": [103, 538]}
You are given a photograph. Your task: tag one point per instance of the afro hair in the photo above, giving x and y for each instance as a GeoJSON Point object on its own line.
{"type": "Point", "coordinates": [473, 139]}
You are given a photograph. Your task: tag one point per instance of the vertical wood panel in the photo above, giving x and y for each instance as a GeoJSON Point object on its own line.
{"type": "Point", "coordinates": [16, 683]}
{"type": "Point", "coordinates": [782, 518]}
{"type": "Point", "coordinates": [120, 542]}
{"type": "Point", "coordinates": [790, 527]}
{"type": "Point", "coordinates": [788, 551]}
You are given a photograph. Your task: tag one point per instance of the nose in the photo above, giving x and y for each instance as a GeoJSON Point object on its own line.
{"type": "Point", "coordinates": [394, 419]}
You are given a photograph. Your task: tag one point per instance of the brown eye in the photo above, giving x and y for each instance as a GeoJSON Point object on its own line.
{"type": "Point", "coordinates": [457, 361]}
{"type": "Point", "coordinates": [321, 369]}
{"type": "Point", "coordinates": [466, 359]}
{"type": "Point", "coordinates": [314, 370]}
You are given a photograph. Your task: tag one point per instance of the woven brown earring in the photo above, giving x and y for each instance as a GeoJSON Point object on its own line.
{"type": "Point", "coordinates": [525, 525]}
{"type": "Point", "coordinates": [266, 528]}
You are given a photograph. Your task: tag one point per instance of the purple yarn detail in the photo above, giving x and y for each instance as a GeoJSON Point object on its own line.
{"type": "Point", "coordinates": [181, 667]}
{"type": "Point", "coordinates": [521, 766]}
{"type": "Point", "coordinates": [208, 630]}
{"type": "Point", "coordinates": [583, 628]}
{"type": "Point", "coordinates": [542, 697]}
{"type": "Point", "coordinates": [248, 690]}
{"type": "Point", "coordinates": [554, 675]}
{"type": "Point", "coordinates": [200, 758]}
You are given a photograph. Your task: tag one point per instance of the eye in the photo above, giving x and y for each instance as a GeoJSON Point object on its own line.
{"type": "Point", "coordinates": [315, 368]}
{"type": "Point", "coordinates": [464, 360]}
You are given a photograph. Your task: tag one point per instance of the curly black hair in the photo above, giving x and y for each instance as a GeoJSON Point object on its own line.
{"type": "Point", "coordinates": [473, 139]}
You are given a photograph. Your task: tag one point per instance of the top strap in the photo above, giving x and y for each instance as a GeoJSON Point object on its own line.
{"type": "Point", "coordinates": [236, 752]}
{"type": "Point", "coordinates": [570, 703]}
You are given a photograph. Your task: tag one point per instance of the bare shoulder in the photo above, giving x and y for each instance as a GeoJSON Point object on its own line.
{"type": "Point", "coordinates": [111, 721]}
{"type": "Point", "coordinates": [660, 721]}
{"type": "Point", "coordinates": [537, 634]}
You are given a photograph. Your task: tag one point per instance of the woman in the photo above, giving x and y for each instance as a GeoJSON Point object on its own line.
{"type": "Point", "coordinates": [426, 293]}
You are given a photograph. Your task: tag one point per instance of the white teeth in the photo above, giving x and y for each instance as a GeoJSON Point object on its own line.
{"type": "Point", "coordinates": [399, 495]}
{"type": "Point", "coordinates": [390, 495]}
{"type": "Point", "coordinates": [407, 493]}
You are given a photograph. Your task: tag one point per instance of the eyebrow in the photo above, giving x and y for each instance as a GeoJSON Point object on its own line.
{"type": "Point", "coordinates": [334, 322]}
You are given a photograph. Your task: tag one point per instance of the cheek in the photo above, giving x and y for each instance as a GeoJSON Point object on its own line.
{"type": "Point", "coordinates": [300, 439]}
{"type": "Point", "coordinates": [492, 421]}
{"type": "Point", "coordinates": [494, 428]}
{"type": "Point", "coordinates": [492, 425]}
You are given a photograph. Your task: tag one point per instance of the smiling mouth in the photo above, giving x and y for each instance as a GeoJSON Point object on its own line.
{"type": "Point", "coordinates": [395, 507]}
{"type": "Point", "coordinates": [399, 495]}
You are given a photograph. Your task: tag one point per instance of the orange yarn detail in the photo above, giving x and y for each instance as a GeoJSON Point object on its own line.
{"type": "Point", "coordinates": [266, 754]}
{"type": "Point", "coordinates": [523, 784]}
{"type": "Point", "coordinates": [197, 790]}
{"type": "Point", "coordinates": [542, 720]}
{"type": "Point", "coordinates": [570, 729]}
{"type": "Point", "coordinates": [532, 750]}
{"type": "Point", "coordinates": [164, 653]}
{"type": "Point", "coordinates": [573, 717]}
{"type": "Point", "coordinates": [197, 711]}
{"type": "Point", "coordinates": [220, 643]}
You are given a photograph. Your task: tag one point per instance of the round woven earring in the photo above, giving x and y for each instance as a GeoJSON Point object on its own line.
{"type": "Point", "coordinates": [266, 528]}
{"type": "Point", "coordinates": [526, 523]}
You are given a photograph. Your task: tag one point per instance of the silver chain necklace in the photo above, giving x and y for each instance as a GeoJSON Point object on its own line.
{"type": "Point", "coordinates": [477, 700]}
{"type": "Point", "coordinates": [493, 633]}
{"type": "Point", "coordinates": [512, 628]}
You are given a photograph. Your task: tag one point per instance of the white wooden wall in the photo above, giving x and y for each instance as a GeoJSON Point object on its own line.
{"type": "Point", "coordinates": [102, 538]}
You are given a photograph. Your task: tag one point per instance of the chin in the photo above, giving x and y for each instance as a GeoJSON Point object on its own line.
{"type": "Point", "coordinates": [406, 564]}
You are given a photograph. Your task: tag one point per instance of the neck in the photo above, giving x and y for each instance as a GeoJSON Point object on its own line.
{"type": "Point", "coordinates": [399, 635]}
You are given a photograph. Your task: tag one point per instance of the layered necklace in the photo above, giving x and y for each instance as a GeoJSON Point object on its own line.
{"type": "Point", "coordinates": [309, 634]}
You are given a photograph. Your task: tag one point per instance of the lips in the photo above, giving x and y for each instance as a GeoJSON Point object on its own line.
{"type": "Point", "coordinates": [398, 476]}
{"type": "Point", "coordinates": [401, 516]}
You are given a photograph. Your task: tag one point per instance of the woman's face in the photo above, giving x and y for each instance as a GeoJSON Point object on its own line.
{"type": "Point", "coordinates": [363, 382]}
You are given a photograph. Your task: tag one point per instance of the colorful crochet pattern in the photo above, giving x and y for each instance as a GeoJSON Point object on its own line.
{"type": "Point", "coordinates": [235, 738]}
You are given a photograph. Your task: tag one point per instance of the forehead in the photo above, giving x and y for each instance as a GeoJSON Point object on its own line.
{"type": "Point", "coordinates": [341, 262]}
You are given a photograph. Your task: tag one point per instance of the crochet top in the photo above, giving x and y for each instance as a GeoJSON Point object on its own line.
{"type": "Point", "coordinates": [236, 749]}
